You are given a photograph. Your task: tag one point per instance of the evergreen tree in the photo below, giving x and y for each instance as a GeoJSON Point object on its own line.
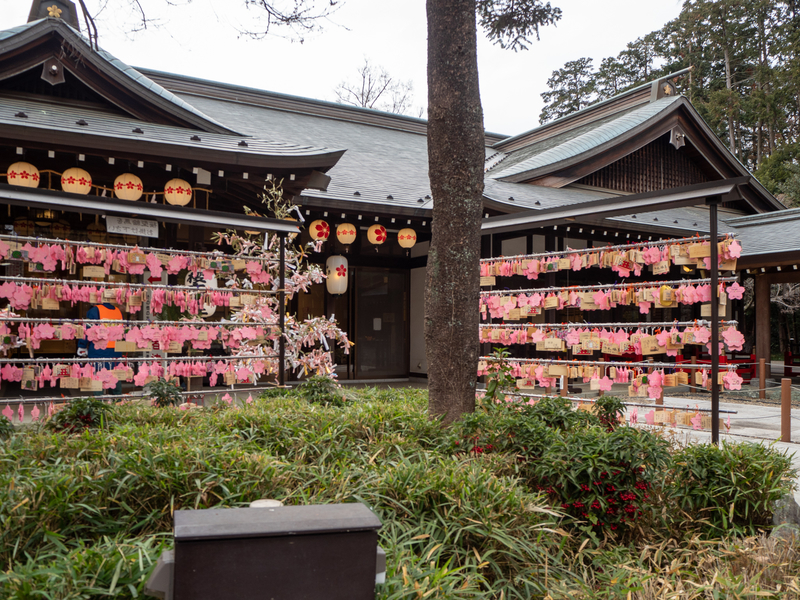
{"type": "Point", "coordinates": [571, 88]}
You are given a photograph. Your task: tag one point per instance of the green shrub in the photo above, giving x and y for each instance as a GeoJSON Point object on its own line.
{"type": "Point", "coordinates": [164, 392]}
{"type": "Point", "coordinates": [320, 389]}
{"type": "Point", "coordinates": [730, 487]}
{"type": "Point", "coordinates": [80, 414]}
{"type": "Point", "coordinates": [601, 478]}
{"type": "Point", "coordinates": [6, 428]}
{"type": "Point", "coordinates": [558, 413]}
{"type": "Point", "coordinates": [609, 409]}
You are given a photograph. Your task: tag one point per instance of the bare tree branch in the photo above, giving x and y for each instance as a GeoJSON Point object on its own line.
{"type": "Point", "coordinates": [376, 88]}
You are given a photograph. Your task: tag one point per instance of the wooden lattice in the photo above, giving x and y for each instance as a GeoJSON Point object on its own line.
{"type": "Point", "coordinates": [657, 166]}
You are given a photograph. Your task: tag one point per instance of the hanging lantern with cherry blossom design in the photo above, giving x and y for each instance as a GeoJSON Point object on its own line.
{"type": "Point", "coordinates": [346, 233]}
{"type": "Point", "coordinates": [76, 181]}
{"type": "Point", "coordinates": [376, 234]}
{"type": "Point", "coordinates": [178, 192]}
{"type": "Point", "coordinates": [23, 174]}
{"type": "Point", "coordinates": [407, 238]}
{"type": "Point", "coordinates": [336, 269]}
{"type": "Point", "coordinates": [128, 187]}
{"type": "Point", "coordinates": [319, 230]}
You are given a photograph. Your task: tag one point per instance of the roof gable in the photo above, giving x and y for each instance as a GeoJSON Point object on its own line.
{"type": "Point", "coordinates": [53, 46]}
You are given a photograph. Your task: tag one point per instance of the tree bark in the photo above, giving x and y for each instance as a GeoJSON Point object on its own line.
{"type": "Point", "coordinates": [455, 165]}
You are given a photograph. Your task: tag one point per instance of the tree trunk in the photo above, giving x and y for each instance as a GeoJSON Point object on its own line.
{"type": "Point", "coordinates": [455, 165]}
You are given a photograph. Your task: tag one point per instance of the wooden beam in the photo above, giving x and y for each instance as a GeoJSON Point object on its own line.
{"type": "Point", "coordinates": [762, 321]}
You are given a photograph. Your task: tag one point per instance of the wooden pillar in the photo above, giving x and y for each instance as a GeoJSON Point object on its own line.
{"type": "Point", "coordinates": [786, 410]}
{"type": "Point", "coordinates": [762, 322]}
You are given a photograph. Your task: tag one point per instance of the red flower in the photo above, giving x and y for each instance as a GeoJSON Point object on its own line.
{"type": "Point", "coordinates": [69, 179]}
{"type": "Point", "coordinates": [380, 234]}
{"type": "Point", "coordinates": [341, 270]}
{"type": "Point", "coordinates": [323, 230]}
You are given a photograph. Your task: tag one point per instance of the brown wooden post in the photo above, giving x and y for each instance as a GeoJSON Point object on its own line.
{"type": "Point", "coordinates": [564, 385]}
{"type": "Point", "coordinates": [762, 322]}
{"type": "Point", "coordinates": [601, 393]}
{"type": "Point", "coordinates": [692, 386]}
{"type": "Point", "coordinates": [762, 379]}
{"type": "Point", "coordinates": [786, 410]}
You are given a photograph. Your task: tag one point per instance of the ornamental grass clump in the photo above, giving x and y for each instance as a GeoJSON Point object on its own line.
{"type": "Point", "coordinates": [731, 487]}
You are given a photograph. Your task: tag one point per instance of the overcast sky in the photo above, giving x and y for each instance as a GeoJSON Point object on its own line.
{"type": "Point", "coordinates": [199, 38]}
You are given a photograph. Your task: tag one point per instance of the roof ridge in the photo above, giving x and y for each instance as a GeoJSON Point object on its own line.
{"type": "Point", "coordinates": [595, 106]}
{"type": "Point", "coordinates": [145, 85]}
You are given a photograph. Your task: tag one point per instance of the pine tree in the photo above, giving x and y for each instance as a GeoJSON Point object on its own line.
{"type": "Point", "coordinates": [571, 88]}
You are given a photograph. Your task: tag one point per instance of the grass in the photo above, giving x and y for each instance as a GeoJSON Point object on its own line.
{"type": "Point", "coordinates": [85, 515]}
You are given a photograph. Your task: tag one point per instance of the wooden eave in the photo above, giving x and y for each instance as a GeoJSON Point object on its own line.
{"type": "Point", "coordinates": [211, 159]}
{"type": "Point", "coordinates": [51, 38]}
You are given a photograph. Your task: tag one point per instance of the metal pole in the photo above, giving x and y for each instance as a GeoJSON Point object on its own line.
{"type": "Point", "coordinates": [786, 410]}
{"type": "Point", "coordinates": [282, 313]}
{"type": "Point", "coordinates": [762, 379]}
{"type": "Point", "coordinates": [712, 205]}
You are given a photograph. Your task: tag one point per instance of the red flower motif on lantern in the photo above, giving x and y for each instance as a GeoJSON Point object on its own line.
{"type": "Point", "coordinates": [24, 174]}
{"type": "Point", "coordinates": [323, 230]}
{"type": "Point", "coordinates": [169, 190]}
{"type": "Point", "coordinates": [83, 181]}
{"type": "Point", "coordinates": [70, 180]}
{"type": "Point", "coordinates": [12, 174]}
{"type": "Point", "coordinates": [130, 185]}
{"type": "Point", "coordinates": [119, 185]}
{"type": "Point", "coordinates": [341, 270]}
{"type": "Point", "coordinates": [35, 177]}
{"type": "Point", "coordinates": [139, 186]}
{"type": "Point", "coordinates": [380, 234]}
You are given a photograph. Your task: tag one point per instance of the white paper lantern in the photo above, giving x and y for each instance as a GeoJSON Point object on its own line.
{"type": "Point", "coordinates": [407, 237]}
{"type": "Point", "coordinates": [319, 230]}
{"type": "Point", "coordinates": [376, 234]}
{"type": "Point", "coordinates": [23, 174]}
{"type": "Point", "coordinates": [128, 187]}
{"type": "Point", "coordinates": [346, 233]}
{"type": "Point", "coordinates": [76, 181]}
{"type": "Point", "coordinates": [337, 275]}
{"type": "Point", "coordinates": [178, 192]}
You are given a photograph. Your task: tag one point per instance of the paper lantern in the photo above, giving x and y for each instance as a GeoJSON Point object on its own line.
{"type": "Point", "coordinates": [376, 234]}
{"type": "Point", "coordinates": [24, 226]}
{"type": "Point", "coordinates": [128, 187]}
{"type": "Point", "coordinates": [337, 275]}
{"type": "Point", "coordinates": [23, 174]}
{"type": "Point", "coordinates": [346, 233]}
{"type": "Point", "coordinates": [76, 181]}
{"type": "Point", "coordinates": [178, 192]}
{"type": "Point", "coordinates": [61, 229]}
{"type": "Point", "coordinates": [407, 237]}
{"type": "Point", "coordinates": [319, 230]}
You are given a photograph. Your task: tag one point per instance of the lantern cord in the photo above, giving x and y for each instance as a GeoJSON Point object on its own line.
{"type": "Point", "coordinates": [124, 359]}
{"type": "Point", "coordinates": [616, 286]}
{"type": "Point", "coordinates": [600, 363]}
{"type": "Point", "coordinates": [699, 323]}
{"type": "Point", "coordinates": [146, 286]}
{"type": "Point", "coordinates": [95, 322]}
{"type": "Point", "coordinates": [217, 255]}
{"type": "Point", "coordinates": [649, 244]}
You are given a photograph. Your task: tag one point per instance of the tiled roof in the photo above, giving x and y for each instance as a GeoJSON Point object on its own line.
{"type": "Point", "coordinates": [769, 233]}
{"type": "Point", "coordinates": [579, 140]}
{"type": "Point", "coordinates": [47, 117]}
{"type": "Point", "coordinates": [379, 162]}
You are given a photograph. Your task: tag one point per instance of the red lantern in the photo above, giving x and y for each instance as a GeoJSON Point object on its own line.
{"type": "Point", "coordinates": [128, 187]}
{"type": "Point", "coordinates": [376, 234]}
{"type": "Point", "coordinates": [76, 181]}
{"type": "Point", "coordinates": [178, 192]}
{"type": "Point", "coordinates": [319, 230]}
{"type": "Point", "coordinates": [23, 174]}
